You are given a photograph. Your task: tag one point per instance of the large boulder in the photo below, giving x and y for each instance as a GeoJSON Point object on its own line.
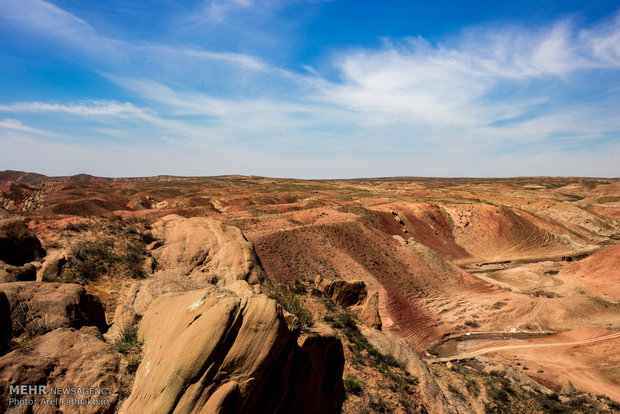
{"type": "Point", "coordinates": [342, 292]}
{"type": "Point", "coordinates": [10, 273]}
{"type": "Point", "coordinates": [63, 358]}
{"type": "Point", "coordinates": [39, 307]}
{"type": "Point", "coordinates": [214, 351]}
{"type": "Point", "coordinates": [205, 249]}
{"type": "Point", "coordinates": [317, 371]}
{"type": "Point", "coordinates": [18, 245]}
{"type": "Point", "coordinates": [369, 313]}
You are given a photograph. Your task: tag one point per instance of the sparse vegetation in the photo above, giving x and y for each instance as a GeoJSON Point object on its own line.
{"type": "Point", "coordinates": [93, 257]}
{"type": "Point", "coordinates": [292, 303]}
{"type": "Point", "coordinates": [353, 385]}
{"type": "Point", "coordinates": [127, 338]}
{"type": "Point", "coordinates": [359, 345]}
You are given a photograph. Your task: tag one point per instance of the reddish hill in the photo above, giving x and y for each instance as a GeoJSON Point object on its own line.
{"type": "Point", "coordinates": [598, 274]}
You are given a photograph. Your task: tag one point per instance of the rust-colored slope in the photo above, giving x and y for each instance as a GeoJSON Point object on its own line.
{"type": "Point", "coordinates": [598, 274]}
{"type": "Point", "coordinates": [498, 233]}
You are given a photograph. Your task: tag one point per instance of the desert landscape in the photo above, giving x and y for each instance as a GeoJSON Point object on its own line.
{"type": "Point", "coordinates": [253, 294]}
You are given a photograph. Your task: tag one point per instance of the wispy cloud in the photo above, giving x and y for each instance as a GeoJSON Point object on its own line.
{"type": "Point", "coordinates": [216, 10]}
{"type": "Point", "coordinates": [11, 124]}
{"type": "Point", "coordinates": [440, 85]}
{"type": "Point", "coordinates": [90, 108]}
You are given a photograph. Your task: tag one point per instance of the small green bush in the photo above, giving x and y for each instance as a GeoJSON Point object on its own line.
{"type": "Point", "coordinates": [127, 338]}
{"type": "Point", "coordinates": [353, 385]}
{"type": "Point", "coordinates": [91, 259]}
{"type": "Point", "coordinates": [290, 301]}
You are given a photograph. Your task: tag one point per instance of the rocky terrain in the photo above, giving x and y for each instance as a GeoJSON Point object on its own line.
{"type": "Point", "coordinates": [251, 294]}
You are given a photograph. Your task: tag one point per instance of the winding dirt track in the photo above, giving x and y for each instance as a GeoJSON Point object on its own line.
{"type": "Point", "coordinates": [483, 351]}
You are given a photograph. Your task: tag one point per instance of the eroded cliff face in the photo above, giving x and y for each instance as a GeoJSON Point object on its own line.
{"type": "Point", "coordinates": [209, 344]}
{"type": "Point", "coordinates": [214, 350]}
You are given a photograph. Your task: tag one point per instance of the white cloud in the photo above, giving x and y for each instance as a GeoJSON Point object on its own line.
{"type": "Point", "coordinates": [418, 82]}
{"type": "Point", "coordinates": [16, 125]}
{"type": "Point", "coordinates": [90, 108]}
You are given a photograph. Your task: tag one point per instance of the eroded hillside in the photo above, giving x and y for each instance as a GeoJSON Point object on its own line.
{"type": "Point", "coordinates": [424, 294]}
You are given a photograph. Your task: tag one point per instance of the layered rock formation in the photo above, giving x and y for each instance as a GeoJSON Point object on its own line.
{"type": "Point", "coordinates": [342, 292]}
{"type": "Point", "coordinates": [38, 307]}
{"type": "Point", "coordinates": [205, 249]}
{"type": "Point", "coordinates": [212, 350]}
{"type": "Point", "coordinates": [189, 254]}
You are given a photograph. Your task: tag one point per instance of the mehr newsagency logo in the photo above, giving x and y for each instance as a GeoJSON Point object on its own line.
{"type": "Point", "coordinates": [31, 395]}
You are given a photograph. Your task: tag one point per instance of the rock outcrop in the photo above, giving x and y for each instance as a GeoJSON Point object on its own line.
{"type": "Point", "coordinates": [18, 245]}
{"type": "Point", "coordinates": [10, 273]}
{"type": "Point", "coordinates": [342, 292]}
{"type": "Point", "coordinates": [434, 399]}
{"type": "Point", "coordinates": [205, 249]}
{"type": "Point", "coordinates": [370, 312]}
{"type": "Point", "coordinates": [64, 358]}
{"type": "Point", "coordinates": [38, 307]}
{"type": "Point", "coordinates": [189, 254]}
{"type": "Point", "coordinates": [52, 266]}
{"type": "Point", "coordinates": [214, 351]}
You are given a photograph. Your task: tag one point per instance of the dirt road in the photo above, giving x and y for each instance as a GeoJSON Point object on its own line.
{"type": "Point", "coordinates": [483, 351]}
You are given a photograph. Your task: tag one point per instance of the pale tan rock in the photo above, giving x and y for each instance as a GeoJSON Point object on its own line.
{"type": "Point", "coordinates": [568, 388]}
{"type": "Point", "coordinates": [64, 358]}
{"type": "Point", "coordinates": [136, 300]}
{"type": "Point", "coordinates": [38, 306]}
{"type": "Point", "coordinates": [52, 266]}
{"type": "Point", "coordinates": [214, 351]}
{"type": "Point", "coordinates": [369, 314]}
{"type": "Point", "coordinates": [202, 248]}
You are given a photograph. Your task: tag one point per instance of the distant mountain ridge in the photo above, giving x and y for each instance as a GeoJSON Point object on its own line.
{"type": "Point", "coordinates": [31, 178]}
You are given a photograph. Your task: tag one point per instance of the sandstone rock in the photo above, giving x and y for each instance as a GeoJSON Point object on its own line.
{"type": "Point", "coordinates": [568, 388]}
{"type": "Point", "coordinates": [370, 312]}
{"type": "Point", "coordinates": [318, 372]}
{"type": "Point", "coordinates": [10, 273]}
{"type": "Point", "coordinates": [150, 265]}
{"type": "Point", "coordinates": [37, 307]}
{"type": "Point", "coordinates": [201, 248]}
{"type": "Point", "coordinates": [216, 351]}
{"type": "Point", "coordinates": [342, 292]}
{"type": "Point", "coordinates": [6, 331]}
{"type": "Point", "coordinates": [64, 358]}
{"type": "Point", "coordinates": [52, 266]}
{"type": "Point", "coordinates": [139, 297]}
{"type": "Point", "coordinates": [18, 245]}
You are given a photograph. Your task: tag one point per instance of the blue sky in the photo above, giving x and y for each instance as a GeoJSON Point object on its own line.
{"type": "Point", "coordinates": [310, 89]}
